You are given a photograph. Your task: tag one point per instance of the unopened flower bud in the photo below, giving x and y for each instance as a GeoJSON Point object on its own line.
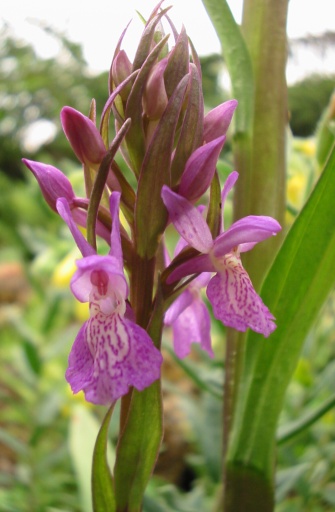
{"type": "Point", "coordinates": [155, 98]}
{"type": "Point", "coordinates": [53, 183]}
{"type": "Point", "coordinates": [217, 121]}
{"type": "Point", "coordinates": [121, 69]}
{"type": "Point", "coordinates": [200, 169]}
{"type": "Point", "coordinates": [83, 136]}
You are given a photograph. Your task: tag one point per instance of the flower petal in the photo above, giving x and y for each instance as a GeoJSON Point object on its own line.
{"type": "Point", "coordinates": [218, 119]}
{"type": "Point", "coordinates": [229, 183]}
{"type": "Point", "coordinates": [81, 284]}
{"type": "Point", "coordinates": [111, 354]}
{"type": "Point", "coordinates": [201, 263]}
{"type": "Point", "coordinates": [184, 300]}
{"type": "Point", "coordinates": [250, 229]}
{"type": "Point", "coordinates": [234, 300]}
{"type": "Point", "coordinates": [64, 211]}
{"type": "Point", "coordinates": [200, 169]}
{"type": "Point", "coordinates": [80, 365]}
{"type": "Point", "coordinates": [187, 220]}
{"type": "Point", "coordinates": [192, 326]}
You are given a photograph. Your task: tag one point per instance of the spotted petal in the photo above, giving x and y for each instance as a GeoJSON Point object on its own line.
{"type": "Point", "coordinates": [234, 300]}
{"type": "Point", "coordinates": [109, 355]}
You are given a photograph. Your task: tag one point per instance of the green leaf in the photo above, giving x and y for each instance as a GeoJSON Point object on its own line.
{"type": "Point", "coordinates": [295, 289]}
{"type": "Point", "coordinates": [138, 448]}
{"type": "Point", "coordinates": [286, 432]}
{"type": "Point", "coordinates": [83, 431]}
{"type": "Point", "coordinates": [237, 59]}
{"type": "Point", "coordinates": [102, 483]}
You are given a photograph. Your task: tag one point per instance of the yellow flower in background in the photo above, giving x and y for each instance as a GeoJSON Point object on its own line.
{"type": "Point", "coordinates": [61, 279]}
{"type": "Point", "coordinates": [301, 174]}
{"type": "Point", "coordinates": [305, 146]}
{"type": "Point", "coordinates": [65, 269]}
{"type": "Point", "coordinates": [296, 186]}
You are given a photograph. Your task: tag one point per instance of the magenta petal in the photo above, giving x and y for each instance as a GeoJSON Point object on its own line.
{"type": "Point", "coordinates": [187, 220]}
{"type": "Point", "coordinates": [201, 263]}
{"type": "Point", "coordinates": [217, 121]}
{"type": "Point", "coordinates": [111, 354]}
{"type": "Point", "coordinates": [80, 366]}
{"type": "Point", "coordinates": [144, 361]}
{"type": "Point", "coordinates": [250, 229]}
{"type": "Point", "coordinates": [229, 183]}
{"type": "Point", "coordinates": [235, 301]}
{"type": "Point", "coordinates": [53, 183]}
{"type": "Point", "coordinates": [200, 169]}
{"type": "Point", "coordinates": [192, 326]}
{"type": "Point", "coordinates": [64, 211]}
{"type": "Point", "coordinates": [178, 306]}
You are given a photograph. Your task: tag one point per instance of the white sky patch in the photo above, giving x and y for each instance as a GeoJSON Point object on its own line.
{"type": "Point", "coordinates": [97, 25]}
{"type": "Point", "coordinates": [37, 134]}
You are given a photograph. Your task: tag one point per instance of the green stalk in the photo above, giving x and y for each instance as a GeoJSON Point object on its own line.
{"type": "Point", "coordinates": [256, 64]}
{"type": "Point", "coordinates": [264, 29]}
{"type": "Point", "coordinates": [261, 192]}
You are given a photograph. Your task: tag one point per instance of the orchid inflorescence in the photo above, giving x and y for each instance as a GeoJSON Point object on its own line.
{"type": "Point", "coordinates": [163, 137]}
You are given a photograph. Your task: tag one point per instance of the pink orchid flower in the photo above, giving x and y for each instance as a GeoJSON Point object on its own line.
{"type": "Point", "coordinates": [231, 293]}
{"type": "Point", "coordinates": [111, 352]}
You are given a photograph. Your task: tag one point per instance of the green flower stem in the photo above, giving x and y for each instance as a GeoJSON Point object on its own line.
{"type": "Point", "coordinates": [256, 63]}
{"type": "Point", "coordinates": [102, 482]}
{"type": "Point", "coordinates": [261, 192]}
{"type": "Point", "coordinates": [264, 29]}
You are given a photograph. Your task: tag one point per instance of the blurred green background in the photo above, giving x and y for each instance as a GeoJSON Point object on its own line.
{"type": "Point", "coordinates": [46, 434]}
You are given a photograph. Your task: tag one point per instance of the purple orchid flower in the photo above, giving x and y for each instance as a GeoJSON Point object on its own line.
{"type": "Point", "coordinates": [230, 291]}
{"type": "Point", "coordinates": [189, 318]}
{"type": "Point", "coordinates": [111, 352]}
{"type": "Point", "coordinates": [188, 315]}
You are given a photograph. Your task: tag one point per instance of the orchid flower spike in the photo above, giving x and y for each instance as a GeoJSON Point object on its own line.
{"type": "Point", "coordinates": [111, 352]}
{"type": "Point", "coordinates": [233, 298]}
